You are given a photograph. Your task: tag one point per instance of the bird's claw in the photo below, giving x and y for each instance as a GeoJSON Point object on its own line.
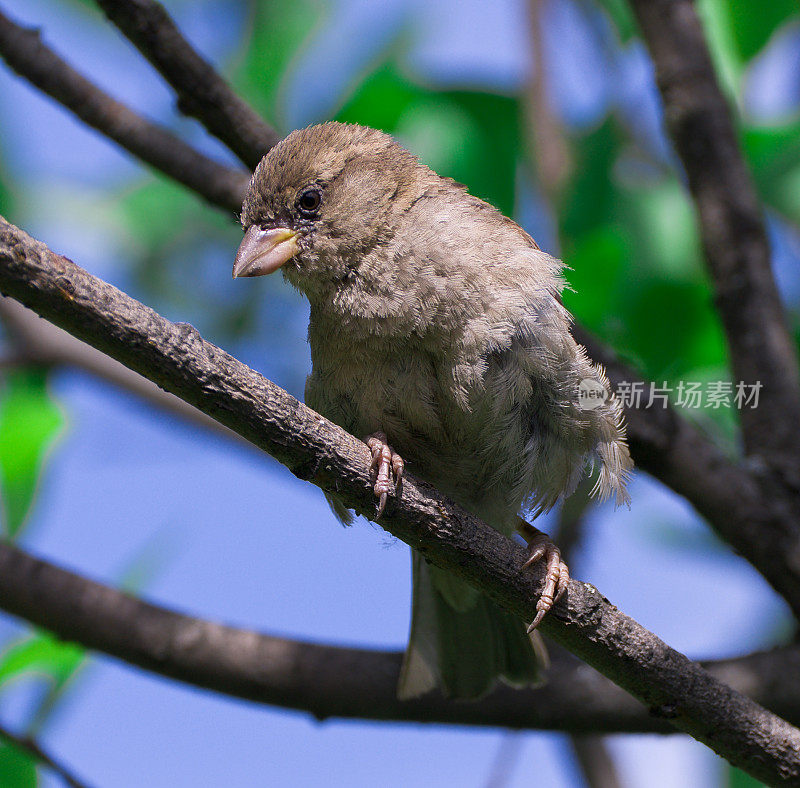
{"type": "Point", "coordinates": [385, 465]}
{"type": "Point", "coordinates": [557, 577]}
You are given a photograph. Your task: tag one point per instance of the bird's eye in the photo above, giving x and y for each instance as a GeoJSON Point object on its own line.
{"type": "Point", "coordinates": [308, 202]}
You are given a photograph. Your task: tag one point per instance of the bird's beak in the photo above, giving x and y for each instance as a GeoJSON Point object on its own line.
{"type": "Point", "coordinates": [264, 251]}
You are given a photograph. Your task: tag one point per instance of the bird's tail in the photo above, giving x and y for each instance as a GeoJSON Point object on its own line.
{"type": "Point", "coordinates": [461, 642]}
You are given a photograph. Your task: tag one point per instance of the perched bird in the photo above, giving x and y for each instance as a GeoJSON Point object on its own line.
{"type": "Point", "coordinates": [437, 335]}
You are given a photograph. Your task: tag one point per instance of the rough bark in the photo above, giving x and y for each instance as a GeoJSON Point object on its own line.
{"type": "Point", "coordinates": [178, 359]}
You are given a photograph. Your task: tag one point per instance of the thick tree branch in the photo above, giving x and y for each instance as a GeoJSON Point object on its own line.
{"type": "Point", "coordinates": [202, 93]}
{"type": "Point", "coordinates": [331, 681]}
{"type": "Point", "coordinates": [762, 523]}
{"type": "Point", "coordinates": [23, 50]}
{"type": "Point", "coordinates": [175, 357]}
{"type": "Point", "coordinates": [731, 226]}
{"type": "Point", "coordinates": [742, 510]}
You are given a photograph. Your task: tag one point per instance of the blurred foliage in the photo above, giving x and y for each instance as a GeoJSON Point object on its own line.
{"type": "Point", "coordinates": [753, 23]}
{"type": "Point", "coordinates": [17, 767]}
{"type": "Point", "coordinates": [621, 15]}
{"type": "Point", "coordinates": [774, 154]}
{"type": "Point", "coordinates": [276, 32]}
{"type": "Point", "coordinates": [29, 422]}
{"type": "Point", "coordinates": [625, 226]}
{"type": "Point", "coordinates": [43, 655]}
{"type": "Point", "coordinates": [474, 138]}
{"type": "Point", "coordinates": [42, 659]}
{"type": "Point", "coordinates": [6, 195]}
{"type": "Point", "coordinates": [735, 778]}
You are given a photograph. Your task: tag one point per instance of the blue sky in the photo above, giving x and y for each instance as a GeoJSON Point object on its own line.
{"type": "Point", "coordinates": [243, 541]}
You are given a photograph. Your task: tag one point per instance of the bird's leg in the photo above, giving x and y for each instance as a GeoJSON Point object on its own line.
{"type": "Point", "coordinates": [557, 577]}
{"type": "Point", "coordinates": [385, 463]}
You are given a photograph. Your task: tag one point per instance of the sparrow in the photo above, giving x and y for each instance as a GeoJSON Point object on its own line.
{"type": "Point", "coordinates": [438, 335]}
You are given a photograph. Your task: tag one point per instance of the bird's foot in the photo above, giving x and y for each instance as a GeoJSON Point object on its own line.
{"type": "Point", "coordinates": [385, 464]}
{"type": "Point", "coordinates": [557, 577]}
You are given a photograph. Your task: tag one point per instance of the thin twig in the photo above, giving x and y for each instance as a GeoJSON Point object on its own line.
{"type": "Point", "coordinates": [23, 50]}
{"type": "Point", "coordinates": [732, 229]}
{"type": "Point", "coordinates": [596, 763]}
{"type": "Point", "coordinates": [34, 750]}
{"type": "Point", "coordinates": [202, 93]}
{"type": "Point", "coordinates": [175, 357]}
{"type": "Point", "coordinates": [550, 153]}
{"type": "Point", "coordinates": [591, 751]}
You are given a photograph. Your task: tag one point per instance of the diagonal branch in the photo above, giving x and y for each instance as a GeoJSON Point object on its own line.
{"type": "Point", "coordinates": [761, 523]}
{"type": "Point", "coordinates": [175, 357]}
{"type": "Point", "coordinates": [202, 93]}
{"type": "Point", "coordinates": [732, 228]}
{"type": "Point", "coordinates": [744, 512]}
{"type": "Point", "coordinates": [331, 681]}
{"type": "Point", "coordinates": [23, 50]}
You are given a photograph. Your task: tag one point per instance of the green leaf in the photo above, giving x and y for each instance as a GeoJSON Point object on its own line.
{"type": "Point", "coordinates": [718, 26]}
{"type": "Point", "coordinates": [739, 779]}
{"type": "Point", "coordinates": [17, 767]}
{"type": "Point", "coordinates": [44, 655]}
{"type": "Point", "coordinates": [774, 156]}
{"type": "Point", "coordinates": [29, 422]}
{"type": "Point", "coordinates": [597, 262]}
{"type": "Point", "coordinates": [277, 31]}
{"type": "Point", "coordinates": [381, 99]}
{"type": "Point", "coordinates": [589, 200]}
{"type": "Point", "coordinates": [676, 331]}
{"type": "Point", "coordinates": [621, 16]}
{"type": "Point", "coordinates": [753, 23]}
{"type": "Point", "coordinates": [6, 194]}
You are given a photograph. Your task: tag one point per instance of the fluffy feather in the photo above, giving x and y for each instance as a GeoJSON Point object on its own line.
{"type": "Point", "coordinates": [437, 320]}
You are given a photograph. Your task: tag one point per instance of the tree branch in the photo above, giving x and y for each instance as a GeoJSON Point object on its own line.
{"type": "Point", "coordinates": [732, 229]}
{"type": "Point", "coordinates": [202, 93]}
{"type": "Point", "coordinates": [595, 761]}
{"type": "Point", "coordinates": [742, 511]}
{"type": "Point", "coordinates": [745, 513]}
{"type": "Point", "coordinates": [752, 513]}
{"type": "Point", "coordinates": [175, 357]}
{"type": "Point", "coordinates": [23, 50]}
{"type": "Point", "coordinates": [331, 681]}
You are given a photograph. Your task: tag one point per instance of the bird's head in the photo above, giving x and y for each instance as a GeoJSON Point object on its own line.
{"type": "Point", "coordinates": [320, 201]}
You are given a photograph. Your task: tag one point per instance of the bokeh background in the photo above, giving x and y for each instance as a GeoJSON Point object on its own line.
{"type": "Point", "coordinates": [548, 110]}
